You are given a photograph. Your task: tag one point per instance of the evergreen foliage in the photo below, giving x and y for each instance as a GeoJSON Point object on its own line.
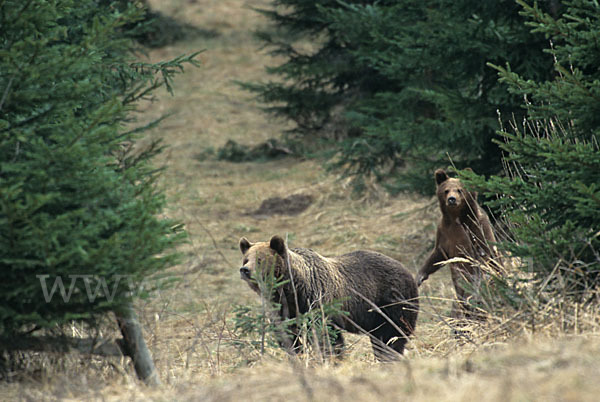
{"type": "Point", "coordinates": [573, 96]}
{"type": "Point", "coordinates": [551, 192]}
{"type": "Point", "coordinates": [78, 202]}
{"type": "Point", "coordinates": [155, 29]}
{"type": "Point", "coordinates": [411, 78]}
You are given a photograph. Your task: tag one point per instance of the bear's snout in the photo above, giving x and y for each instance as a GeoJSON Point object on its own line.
{"type": "Point", "coordinates": [245, 273]}
{"type": "Point", "coordinates": [451, 200]}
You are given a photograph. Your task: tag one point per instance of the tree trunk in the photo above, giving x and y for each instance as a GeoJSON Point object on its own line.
{"type": "Point", "coordinates": [134, 346]}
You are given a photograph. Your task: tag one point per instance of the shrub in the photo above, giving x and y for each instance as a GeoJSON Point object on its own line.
{"type": "Point", "coordinates": [307, 332]}
{"type": "Point", "coordinates": [78, 202]}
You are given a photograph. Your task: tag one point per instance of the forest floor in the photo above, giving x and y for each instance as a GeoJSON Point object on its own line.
{"type": "Point", "coordinates": [190, 328]}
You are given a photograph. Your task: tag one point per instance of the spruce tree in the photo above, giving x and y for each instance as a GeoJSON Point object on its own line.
{"type": "Point", "coordinates": [78, 202]}
{"type": "Point", "coordinates": [550, 193]}
{"type": "Point", "coordinates": [573, 95]}
{"type": "Point", "coordinates": [411, 78]}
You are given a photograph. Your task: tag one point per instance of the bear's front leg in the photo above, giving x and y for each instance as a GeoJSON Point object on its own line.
{"type": "Point", "coordinates": [430, 267]}
{"type": "Point", "coordinates": [287, 338]}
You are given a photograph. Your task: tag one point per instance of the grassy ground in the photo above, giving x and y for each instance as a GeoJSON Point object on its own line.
{"type": "Point", "coordinates": [190, 327]}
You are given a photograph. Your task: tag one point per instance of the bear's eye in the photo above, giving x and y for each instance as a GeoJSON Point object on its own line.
{"type": "Point", "coordinates": [460, 191]}
{"type": "Point", "coordinates": [447, 191]}
{"type": "Point", "coordinates": [245, 261]}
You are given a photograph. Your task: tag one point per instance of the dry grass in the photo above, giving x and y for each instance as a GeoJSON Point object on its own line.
{"type": "Point", "coordinates": [189, 327]}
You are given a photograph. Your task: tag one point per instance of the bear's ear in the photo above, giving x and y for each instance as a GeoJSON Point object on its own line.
{"type": "Point", "coordinates": [244, 245]}
{"type": "Point", "coordinates": [278, 244]}
{"type": "Point", "coordinates": [440, 176]}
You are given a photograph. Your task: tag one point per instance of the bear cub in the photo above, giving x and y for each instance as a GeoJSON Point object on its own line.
{"type": "Point", "coordinates": [379, 295]}
{"type": "Point", "coordinates": [463, 231]}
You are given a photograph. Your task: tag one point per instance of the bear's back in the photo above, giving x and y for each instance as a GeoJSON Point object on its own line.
{"type": "Point", "coordinates": [362, 269]}
{"type": "Point", "coordinates": [379, 268]}
{"type": "Point", "coordinates": [355, 262]}
{"type": "Point", "coordinates": [377, 262]}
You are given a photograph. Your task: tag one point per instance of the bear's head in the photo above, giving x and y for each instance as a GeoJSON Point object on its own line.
{"type": "Point", "coordinates": [261, 260]}
{"type": "Point", "coordinates": [453, 197]}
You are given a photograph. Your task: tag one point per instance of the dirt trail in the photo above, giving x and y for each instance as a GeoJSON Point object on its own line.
{"type": "Point", "coordinates": [214, 197]}
{"type": "Point", "coordinates": [221, 201]}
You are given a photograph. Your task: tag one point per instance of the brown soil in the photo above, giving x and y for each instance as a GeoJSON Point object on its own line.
{"type": "Point", "coordinates": [291, 205]}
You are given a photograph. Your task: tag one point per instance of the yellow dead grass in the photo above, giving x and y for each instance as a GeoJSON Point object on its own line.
{"type": "Point", "coordinates": [189, 328]}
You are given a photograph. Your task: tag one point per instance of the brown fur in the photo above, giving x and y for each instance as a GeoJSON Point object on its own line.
{"type": "Point", "coordinates": [364, 280]}
{"type": "Point", "coordinates": [464, 231]}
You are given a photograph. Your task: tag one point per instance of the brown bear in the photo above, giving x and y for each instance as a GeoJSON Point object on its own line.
{"type": "Point", "coordinates": [379, 295]}
{"type": "Point", "coordinates": [464, 231]}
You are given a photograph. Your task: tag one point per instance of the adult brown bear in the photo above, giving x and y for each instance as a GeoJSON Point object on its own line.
{"type": "Point", "coordinates": [464, 231]}
{"type": "Point", "coordinates": [379, 295]}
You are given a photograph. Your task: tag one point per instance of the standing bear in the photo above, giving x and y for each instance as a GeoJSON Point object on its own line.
{"type": "Point", "coordinates": [379, 295]}
{"type": "Point", "coordinates": [464, 231]}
